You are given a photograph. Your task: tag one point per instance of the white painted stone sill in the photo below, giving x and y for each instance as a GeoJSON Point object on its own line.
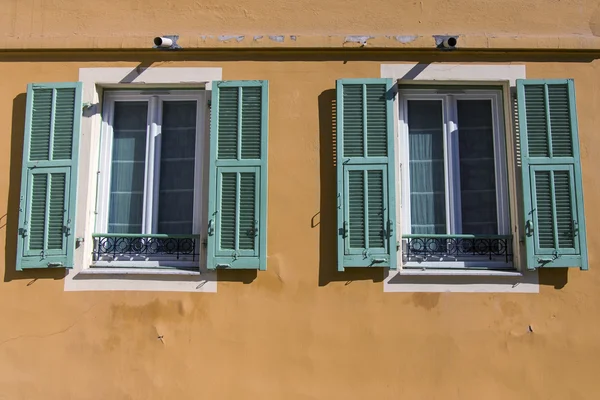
{"type": "Point", "coordinates": [456, 272]}
{"type": "Point", "coordinates": [137, 271]}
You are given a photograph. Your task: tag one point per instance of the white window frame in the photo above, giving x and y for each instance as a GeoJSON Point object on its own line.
{"type": "Point", "coordinates": [431, 280]}
{"type": "Point", "coordinates": [449, 97]}
{"type": "Point", "coordinates": [96, 82]}
{"type": "Point", "coordinates": [153, 145]}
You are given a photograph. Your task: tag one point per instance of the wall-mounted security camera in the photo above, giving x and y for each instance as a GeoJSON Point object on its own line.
{"type": "Point", "coordinates": [446, 42]}
{"type": "Point", "coordinates": [166, 42]}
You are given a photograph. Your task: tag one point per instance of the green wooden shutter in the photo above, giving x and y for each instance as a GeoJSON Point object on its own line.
{"type": "Point", "coordinates": [365, 173]}
{"type": "Point", "coordinates": [49, 177]}
{"type": "Point", "coordinates": [237, 206]}
{"type": "Point", "coordinates": [551, 170]}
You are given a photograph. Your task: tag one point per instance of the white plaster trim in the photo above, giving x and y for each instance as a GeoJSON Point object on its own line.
{"type": "Point", "coordinates": [456, 272]}
{"type": "Point", "coordinates": [457, 281]}
{"type": "Point", "coordinates": [400, 282]}
{"type": "Point", "coordinates": [137, 271]}
{"type": "Point", "coordinates": [454, 72]}
{"type": "Point", "coordinates": [82, 277]}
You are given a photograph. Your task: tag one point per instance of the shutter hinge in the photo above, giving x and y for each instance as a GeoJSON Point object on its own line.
{"type": "Point", "coordinates": [209, 103]}
{"type": "Point", "coordinates": [66, 230]}
{"type": "Point", "coordinates": [23, 232]}
{"type": "Point", "coordinates": [345, 230]}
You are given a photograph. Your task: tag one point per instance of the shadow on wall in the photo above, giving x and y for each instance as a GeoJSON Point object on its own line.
{"type": "Point", "coordinates": [326, 218]}
{"type": "Point", "coordinates": [557, 277]}
{"type": "Point", "coordinates": [10, 221]}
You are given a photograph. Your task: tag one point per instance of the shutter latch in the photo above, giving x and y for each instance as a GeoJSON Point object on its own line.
{"type": "Point", "coordinates": [390, 228]}
{"type": "Point", "coordinates": [211, 227]}
{"type": "Point", "coordinates": [345, 230]}
{"type": "Point", "coordinates": [23, 232]}
{"type": "Point", "coordinates": [545, 261]}
{"type": "Point", "coordinates": [575, 228]}
{"type": "Point", "coordinates": [55, 264]}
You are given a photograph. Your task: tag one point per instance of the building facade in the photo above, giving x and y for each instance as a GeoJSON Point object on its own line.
{"type": "Point", "coordinates": [258, 200]}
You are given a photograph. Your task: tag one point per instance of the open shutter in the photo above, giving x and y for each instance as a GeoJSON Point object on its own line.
{"type": "Point", "coordinates": [365, 173]}
{"type": "Point", "coordinates": [49, 177]}
{"type": "Point", "coordinates": [552, 186]}
{"type": "Point", "coordinates": [237, 207]}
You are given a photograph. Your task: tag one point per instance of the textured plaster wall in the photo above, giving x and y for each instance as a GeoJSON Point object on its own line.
{"type": "Point", "coordinates": [299, 330]}
{"type": "Point", "coordinates": [209, 23]}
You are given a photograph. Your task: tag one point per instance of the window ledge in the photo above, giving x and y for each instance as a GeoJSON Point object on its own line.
{"type": "Point", "coordinates": [457, 272]}
{"type": "Point", "coordinates": [137, 271]}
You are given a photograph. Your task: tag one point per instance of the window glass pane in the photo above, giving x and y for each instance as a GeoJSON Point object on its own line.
{"type": "Point", "coordinates": [477, 168]}
{"type": "Point", "coordinates": [177, 157]}
{"type": "Point", "coordinates": [426, 164]}
{"type": "Point", "coordinates": [128, 167]}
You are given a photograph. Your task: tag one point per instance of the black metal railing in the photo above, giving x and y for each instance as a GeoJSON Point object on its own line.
{"type": "Point", "coordinates": [120, 245]}
{"type": "Point", "coordinates": [458, 247]}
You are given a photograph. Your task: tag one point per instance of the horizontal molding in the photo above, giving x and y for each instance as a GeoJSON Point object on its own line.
{"type": "Point", "coordinates": [396, 41]}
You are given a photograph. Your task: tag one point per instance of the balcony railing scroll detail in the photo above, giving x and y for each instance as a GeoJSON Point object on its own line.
{"type": "Point", "coordinates": [121, 245]}
{"type": "Point", "coordinates": [428, 247]}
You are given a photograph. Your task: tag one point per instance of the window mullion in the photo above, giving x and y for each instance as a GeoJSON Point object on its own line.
{"type": "Point", "coordinates": [448, 192]}
{"type": "Point", "coordinates": [149, 187]}
{"type": "Point", "coordinates": [454, 156]}
{"type": "Point", "coordinates": [158, 115]}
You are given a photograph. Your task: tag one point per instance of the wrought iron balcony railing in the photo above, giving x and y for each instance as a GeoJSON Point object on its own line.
{"type": "Point", "coordinates": [457, 247]}
{"type": "Point", "coordinates": [121, 246]}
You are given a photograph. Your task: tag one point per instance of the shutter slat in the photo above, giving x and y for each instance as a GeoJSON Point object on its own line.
{"type": "Point", "coordinates": [251, 122]}
{"type": "Point", "coordinates": [537, 124]}
{"type": "Point", "coordinates": [37, 217]}
{"type": "Point", "coordinates": [558, 98]}
{"type": "Point", "coordinates": [56, 213]}
{"type": "Point", "coordinates": [247, 210]}
{"type": "Point", "coordinates": [63, 124]}
{"type": "Point", "coordinates": [376, 208]}
{"type": "Point", "coordinates": [228, 123]}
{"type": "Point", "coordinates": [551, 174]}
{"type": "Point", "coordinates": [228, 210]}
{"type": "Point", "coordinates": [545, 224]}
{"type": "Point", "coordinates": [376, 121]}
{"type": "Point", "coordinates": [356, 209]}
{"type": "Point", "coordinates": [353, 121]}
{"type": "Point", "coordinates": [564, 218]}
{"type": "Point", "coordinates": [41, 121]}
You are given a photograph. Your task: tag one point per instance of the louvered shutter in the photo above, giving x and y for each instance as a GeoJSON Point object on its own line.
{"type": "Point", "coordinates": [365, 173]}
{"type": "Point", "coordinates": [49, 177]}
{"type": "Point", "coordinates": [552, 185]}
{"type": "Point", "coordinates": [238, 175]}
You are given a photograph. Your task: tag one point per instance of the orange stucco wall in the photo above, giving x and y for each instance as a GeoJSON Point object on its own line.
{"type": "Point", "coordinates": [299, 330]}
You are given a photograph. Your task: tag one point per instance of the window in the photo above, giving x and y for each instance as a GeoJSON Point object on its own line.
{"type": "Point", "coordinates": [454, 198]}
{"type": "Point", "coordinates": [449, 205]}
{"type": "Point", "coordinates": [151, 177]}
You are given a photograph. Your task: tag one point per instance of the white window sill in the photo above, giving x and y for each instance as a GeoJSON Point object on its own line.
{"type": "Point", "coordinates": [456, 272]}
{"type": "Point", "coordinates": [137, 271]}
